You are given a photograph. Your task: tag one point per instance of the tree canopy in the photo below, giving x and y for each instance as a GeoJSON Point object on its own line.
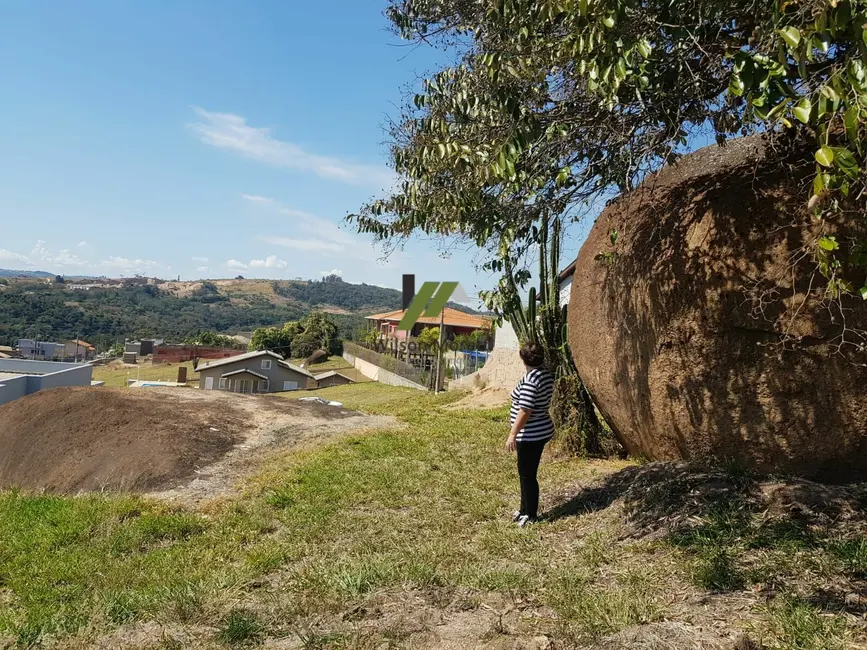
{"type": "Point", "coordinates": [299, 339]}
{"type": "Point", "coordinates": [556, 103]}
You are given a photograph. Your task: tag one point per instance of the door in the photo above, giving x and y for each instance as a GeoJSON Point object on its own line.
{"type": "Point", "coordinates": [209, 383]}
{"type": "Point", "coordinates": [290, 385]}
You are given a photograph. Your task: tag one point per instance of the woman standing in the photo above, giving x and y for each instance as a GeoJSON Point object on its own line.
{"type": "Point", "coordinates": [531, 428]}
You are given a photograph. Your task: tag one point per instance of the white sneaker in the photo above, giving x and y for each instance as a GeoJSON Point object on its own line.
{"type": "Point", "coordinates": [523, 520]}
{"type": "Point", "coordinates": [516, 515]}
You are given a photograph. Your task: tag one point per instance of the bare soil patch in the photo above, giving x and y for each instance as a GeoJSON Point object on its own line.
{"type": "Point", "coordinates": [486, 398]}
{"type": "Point", "coordinates": [167, 441]}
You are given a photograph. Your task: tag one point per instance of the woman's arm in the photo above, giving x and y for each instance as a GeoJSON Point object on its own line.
{"type": "Point", "coordinates": [520, 420]}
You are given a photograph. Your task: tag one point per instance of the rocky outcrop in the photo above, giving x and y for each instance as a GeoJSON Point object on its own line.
{"type": "Point", "coordinates": [701, 327]}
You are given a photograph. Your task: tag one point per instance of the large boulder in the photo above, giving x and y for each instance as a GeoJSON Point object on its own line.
{"type": "Point", "coordinates": [700, 325]}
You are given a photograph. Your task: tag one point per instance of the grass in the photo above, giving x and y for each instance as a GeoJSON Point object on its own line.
{"type": "Point", "coordinates": [116, 377]}
{"type": "Point", "coordinates": [329, 530]}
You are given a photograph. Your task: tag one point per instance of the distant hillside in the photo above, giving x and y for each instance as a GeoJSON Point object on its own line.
{"type": "Point", "coordinates": [11, 273]}
{"type": "Point", "coordinates": [113, 310]}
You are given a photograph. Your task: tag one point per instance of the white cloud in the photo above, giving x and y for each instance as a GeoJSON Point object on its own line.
{"type": "Point", "coordinates": [332, 272]}
{"type": "Point", "coordinates": [232, 133]}
{"type": "Point", "coordinates": [126, 265]}
{"type": "Point", "coordinates": [83, 244]}
{"type": "Point", "coordinates": [270, 262]}
{"type": "Point", "coordinates": [235, 264]}
{"type": "Point", "coordinates": [302, 244]}
{"type": "Point", "coordinates": [200, 259]}
{"type": "Point", "coordinates": [255, 198]}
{"type": "Point", "coordinates": [13, 258]}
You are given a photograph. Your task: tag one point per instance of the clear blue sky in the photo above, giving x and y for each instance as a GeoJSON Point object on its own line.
{"type": "Point", "coordinates": [203, 138]}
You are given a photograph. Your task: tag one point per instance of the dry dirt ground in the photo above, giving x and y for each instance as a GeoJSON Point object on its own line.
{"type": "Point", "coordinates": [184, 444]}
{"type": "Point", "coordinates": [486, 398]}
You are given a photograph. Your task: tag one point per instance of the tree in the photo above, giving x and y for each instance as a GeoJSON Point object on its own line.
{"type": "Point", "coordinates": [275, 339]}
{"type": "Point", "coordinates": [429, 337]}
{"type": "Point", "coordinates": [556, 103]}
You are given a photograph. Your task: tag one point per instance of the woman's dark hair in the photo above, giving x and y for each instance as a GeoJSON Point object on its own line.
{"type": "Point", "coordinates": [532, 355]}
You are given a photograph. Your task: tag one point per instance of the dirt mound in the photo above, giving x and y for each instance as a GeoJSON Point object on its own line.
{"type": "Point", "coordinates": [70, 439]}
{"type": "Point", "coordinates": [699, 322]}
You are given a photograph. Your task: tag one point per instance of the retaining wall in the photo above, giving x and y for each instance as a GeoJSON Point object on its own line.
{"type": "Point", "coordinates": [55, 375]}
{"type": "Point", "coordinates": [376, 373]}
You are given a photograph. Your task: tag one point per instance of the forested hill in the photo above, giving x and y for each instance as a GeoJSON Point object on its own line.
{"type": "Point", "coordinates": [103, 311]}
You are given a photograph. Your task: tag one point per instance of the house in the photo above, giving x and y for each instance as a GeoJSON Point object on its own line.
{"type": "Point", "coordinates": [262, 371]}
{"type": "Point", "coordinates": [30, 349]}
{"type": "Point", "coordinates": [454, 321]}
{"type": "Point", "coordinates": [78, 350]}
{"type": "Point", "coordinates": [332, 378]}
{"type": "Point", "coordinates": [565, 280]}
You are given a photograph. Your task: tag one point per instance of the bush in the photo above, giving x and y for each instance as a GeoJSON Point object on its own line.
{"type": "Point", "coordinates": [578, 428]}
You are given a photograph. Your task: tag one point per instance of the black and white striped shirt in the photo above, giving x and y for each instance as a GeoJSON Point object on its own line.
{"type": "Point", "coordinates": [533, 393]}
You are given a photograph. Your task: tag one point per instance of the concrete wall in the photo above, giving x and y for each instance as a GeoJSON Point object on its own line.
{"type": "Point", "coordinates": [565, 291]}
{"type": "Point", "coordinates": [376, 373]}
{"type": "Point", "coordinates": [505, 337]}
{"type": "Point", "coordinates": [56, 375]}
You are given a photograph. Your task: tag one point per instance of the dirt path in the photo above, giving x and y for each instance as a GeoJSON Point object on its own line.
{"type": "Point", "coordinates": [274, 425]}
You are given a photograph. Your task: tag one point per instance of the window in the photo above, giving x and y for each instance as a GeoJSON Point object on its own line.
{"type": "Point", "coordinates": [266, 364]}
{"type": "Point", "coordinates": [290, 385]}
{"type": "Point", "coordinates": [264, 385]}
{"type": "Point", "coordinates": [223, 381]}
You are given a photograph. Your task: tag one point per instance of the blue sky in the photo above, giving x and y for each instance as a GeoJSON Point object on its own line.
{"type": "Point", "coordinates": [203, 139]}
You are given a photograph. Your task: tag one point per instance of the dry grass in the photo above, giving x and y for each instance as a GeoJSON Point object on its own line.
{"type": "Point", "coordinates": [115, 375]}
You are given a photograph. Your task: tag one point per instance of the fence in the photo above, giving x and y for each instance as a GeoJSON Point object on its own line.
{"type": "Point", "coordinates": [387, 362]}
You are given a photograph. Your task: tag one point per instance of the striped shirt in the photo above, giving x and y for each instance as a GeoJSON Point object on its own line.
{"type": "Point", "coordinates": [533, 393]}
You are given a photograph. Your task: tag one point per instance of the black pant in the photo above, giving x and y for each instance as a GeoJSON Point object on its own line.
{"type": "Point", "coordinates": [529, 455]}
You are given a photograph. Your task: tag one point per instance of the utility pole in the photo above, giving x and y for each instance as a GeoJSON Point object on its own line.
{"type": "Point", "coordinates": [440, 350]}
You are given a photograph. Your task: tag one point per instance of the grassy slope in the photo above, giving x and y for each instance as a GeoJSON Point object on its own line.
{"type": "Point", "coordinates": [423, 507]}
{"type": "Point", "coordinates": [116, 377]}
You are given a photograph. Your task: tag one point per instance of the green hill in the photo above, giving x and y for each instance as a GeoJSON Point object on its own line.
{"type": "Point", "coordinates": [112, 309]}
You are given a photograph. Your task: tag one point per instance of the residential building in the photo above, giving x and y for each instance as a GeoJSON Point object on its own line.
{"type": "Point", "coordinates": [20, 377]}
{"type": "Point", "coordinates": [565, 280]}
{"type": "Point", "coordinates": [454, 321]}
{"type": "Point", "coordinates": [78, 350]}
{"type": "Point", "coordinates": [254, 372]}
{"type": "Point", "coordinates": [332, 378]}
{"type": "Point", "coordinates": [43, 350]}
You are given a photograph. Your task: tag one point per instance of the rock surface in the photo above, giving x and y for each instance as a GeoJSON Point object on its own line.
{"type": "Point", "coordinates": [697, 319]}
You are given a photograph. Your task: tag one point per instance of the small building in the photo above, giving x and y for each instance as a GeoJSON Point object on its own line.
{"type": "Point", "coordinates": [332, 378]}
{"type": "Point", "coordinates": [454, 321]}
{"type": "Point", "coordinates": [78, 350]}
{"type": "Point", "coordinates": [42, 350]}
{"type": "Point", "coordinates": [254, 372]}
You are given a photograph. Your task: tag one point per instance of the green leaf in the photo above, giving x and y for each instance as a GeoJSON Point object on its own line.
{"type": "Point", "coordinates": [620, 69]}
{"type": "Point", "coordinates": [562, 177]}
{"type": "Point", "coordinates": [802, 110]}
{"type": "Point", "coordinates": [828, 243]}
{"type": "Point", "coordinates": [850, 120]}
{"type": "Point", "coordinates": [608, 21]}
{"type": "Point", "coordinates": [582, 7]}
{"type": "Point", "coordinates": [441, 148]}
{"type": "Point", "coordinates": [818, 184]}
{"type": "Point", "coordinates": [644, 48]}
{"type": "Point", "coordinates": [830, 93]}
{"type": "Point", "coordinates": [825, 156]}
{"type": "Point", "coordinates": [863, 292]}
{"type": "Point", "coordinates": [791, 35]}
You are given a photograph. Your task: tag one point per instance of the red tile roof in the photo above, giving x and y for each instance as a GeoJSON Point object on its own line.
{"type": "Point", "coordinates": [451, 317]}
